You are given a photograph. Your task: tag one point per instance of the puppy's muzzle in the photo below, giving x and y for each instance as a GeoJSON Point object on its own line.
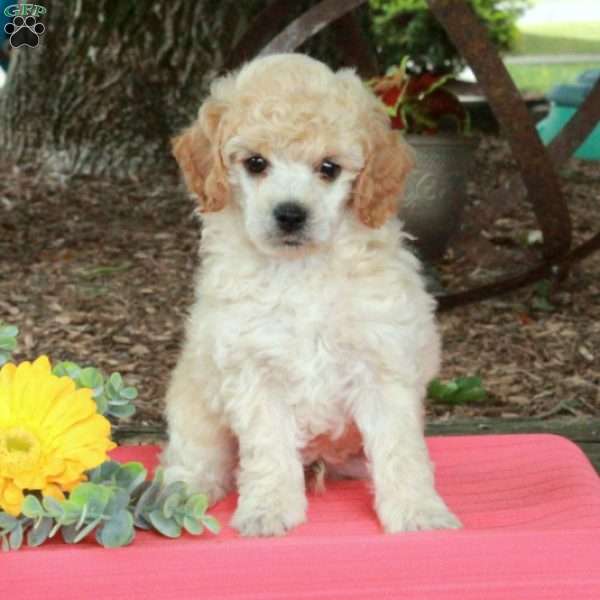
{"type": "Point", "coordinates": [290, 217]}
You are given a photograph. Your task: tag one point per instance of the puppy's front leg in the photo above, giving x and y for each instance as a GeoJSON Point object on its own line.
{"type": "Point", "coordinates": [271, 478]}
{"type": "Point", "coordinates": [405, 498]}
{"type": "Point", "coordinates": [201, 449]}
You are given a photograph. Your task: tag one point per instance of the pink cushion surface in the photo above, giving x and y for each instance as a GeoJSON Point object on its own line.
{"type": "Point", "coordinates": [530, 505]}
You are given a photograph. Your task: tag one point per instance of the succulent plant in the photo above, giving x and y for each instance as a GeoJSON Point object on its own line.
{"type": "Point", "coordinates": [112, 396]}
{"type": "Point", "coordinates": [116, 498]}
{"type": "Point", "coordinates": [8, 341]}
{"type": "Point", "coordinates": [115, 501]}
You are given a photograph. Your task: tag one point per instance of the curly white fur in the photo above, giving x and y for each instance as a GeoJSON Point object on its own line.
{"type": "Point", "coordinates": [312, 345]}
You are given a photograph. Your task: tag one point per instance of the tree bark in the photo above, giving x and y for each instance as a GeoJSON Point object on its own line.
{"type": "Point", "coordinates": [111, 81]}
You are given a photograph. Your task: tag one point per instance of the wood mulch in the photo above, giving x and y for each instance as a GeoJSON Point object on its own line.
{"type": "Point", "coordinates": [100, 272]}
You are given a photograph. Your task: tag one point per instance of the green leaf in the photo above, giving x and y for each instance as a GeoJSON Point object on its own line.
{"type": "Point", "coordinates": [451, 388]}
{"type": "Point", "coordinates": [436, 389]}
{"type": "Point", "coordinates": [104, 473]}
{"type": "Point", "coordinates": [91, 377]}
{"type": "Point", "coordinates": [116, 381]}
{"type": "Point", "coordinates": [543, 304]}
{"type": "Point", "coordinates": [193, 526]}
{"type": "Point", "coordinates": [15, 539]}
{"type": "Point", "coordinates": [71, 513]}
{"type": "Point", "coordinates": [196, 505]}
{"type": "Point", "coordinates": [67, 369]}
{"type": "Point", "coordinates": [9, 331]}
{"type": "Point", "coordinates": [441, 391]}
{"type": "Point", "coordinates": [83, 533]}
{"type": "Point", "coordinates": [82, 517]}
{"type": "Point", "coordinates": [467, 383]}
{"type": "Point", "coordinates": [101, 404]}
{"type": "Point", "coordinates": [211, 524]}
{"type": "Point", "coordinates": [93, 496]}
{"type": "Point", "coordinates": [170, 505]}
{"type": "Point", "coordinates": [69, 533]}
{"type": "Point", "coordinates": [458, 391]}
{"type": "Point", "coordinates": [40, 532]}
{"type": "Point", "coordinates": [53, 507]}
{"type": "Point", "coordinates": [32, 507]}
{"type": "Point", "coordinates": [7, 522]}
{"type": "Point", "coordinates": [141, 522]}
{"type": "Point", "coordinates": [115, 399]}
{"type": "Point", "coordinates": [165, 526]}
{"type": "Point", "coordinates": [8, 343]}
{"type": "Point", "coordinates": [148, 498]}
{"type": "Point", "coordinates": [118, 531]}
{"type": "Point", "coordinates": [465, 396]}
{"type": "Point", "coordinates": [175, 487]}
{"type": "Point", "coordinates": [179, 516]}
{"type": "Point", "coordinates": [118, 501]}
{"type": "Point", "coordinates": [129, 393]}
{"type": "Point", "coordinates": [120, 411]}
{"type": "Point", "coordinates": [130, 476]}
{"type": "Point", "coordinates": [55, 528]}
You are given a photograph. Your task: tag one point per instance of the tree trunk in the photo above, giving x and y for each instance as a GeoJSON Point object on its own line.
{"type": "Point", "coordinates": [111, 81]}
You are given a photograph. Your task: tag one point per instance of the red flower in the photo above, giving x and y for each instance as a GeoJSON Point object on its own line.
{"type": "Point", "coordinates": [420, 103]}
{"type": "Point", "coordinates": [390, 96]}
{"type": "Point", "coordinates": [422, 84]}
{"type": "Point", "coordinates": [397, 121]}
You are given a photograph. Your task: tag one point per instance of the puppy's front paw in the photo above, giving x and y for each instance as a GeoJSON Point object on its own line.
{"type": "Point", "coordinates": [213, 487]}
{"type": "Point", "coordinates": [269, 517]}
{"type": "Point", "coordinates": [416, 515]}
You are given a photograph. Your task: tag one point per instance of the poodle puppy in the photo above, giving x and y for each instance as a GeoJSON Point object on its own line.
{"type": "Point", "coordinates": [311, 337]}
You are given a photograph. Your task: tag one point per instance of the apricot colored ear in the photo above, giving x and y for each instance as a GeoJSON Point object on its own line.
{"type": "Point", "coordinates": [198, 153]}
{"type": "Point", "coordinates": [379, 186]}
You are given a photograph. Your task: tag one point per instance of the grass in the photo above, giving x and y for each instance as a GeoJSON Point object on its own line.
{"type": "Point", "coordinates": [554, 38]}
{"type": "Point", "coordinates": [559, 38]}
{"type": "Point", "coordinates": [541, 78]}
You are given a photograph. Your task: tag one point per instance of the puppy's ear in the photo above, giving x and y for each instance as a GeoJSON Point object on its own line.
{"type": "Point", "coordinates": [380, 185]}
{"type": "Point", "coordinates": [198, 152]}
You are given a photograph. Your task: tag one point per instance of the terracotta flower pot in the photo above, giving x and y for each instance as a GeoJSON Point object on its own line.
{"type": "Point", "coordinates": [436, 190]}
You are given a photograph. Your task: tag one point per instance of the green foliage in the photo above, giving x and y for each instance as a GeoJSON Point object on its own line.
{"type": "Point", "coordinates": [542, 78]}
{"type": "Point", "coordinates": [542, 297]}
{"type": "Point", "coordinates": [462, 390]}
{"type": "Point", "coordinates": [8, 341]}
{"type": "Point", "coordinates": [116, 499]}
{"type": "Point", "coordinates": [169, 509]}
{"type": "Point", "coordinates": [407, 28]}
{"type": "Point", "coordinates": [112, 396]}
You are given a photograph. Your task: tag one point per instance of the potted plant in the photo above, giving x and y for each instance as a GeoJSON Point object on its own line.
{"type": "Point", "coordinates": [436, 125]}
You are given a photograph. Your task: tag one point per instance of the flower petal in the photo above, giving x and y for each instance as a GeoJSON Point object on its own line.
{"type": "Point", "coordinates": [11, 499]}
{"type": "Point", "coordinates": [50, 433]}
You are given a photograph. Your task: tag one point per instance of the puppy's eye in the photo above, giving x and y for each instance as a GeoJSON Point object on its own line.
{"type": "Point", "coordinates": [256, 164]}
{"type": "Point", "coordinates": [329, 170]}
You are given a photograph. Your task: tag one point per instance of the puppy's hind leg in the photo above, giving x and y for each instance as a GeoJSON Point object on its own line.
{"type": "Point", "coordinates": [201, 450]}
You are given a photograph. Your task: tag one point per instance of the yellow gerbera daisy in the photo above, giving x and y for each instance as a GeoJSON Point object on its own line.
{"type": "Point", "coordinates": [50, 433]}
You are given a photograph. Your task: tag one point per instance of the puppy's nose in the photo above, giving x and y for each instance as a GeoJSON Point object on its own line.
{"type": "Point", "coordinates": [290, 216]}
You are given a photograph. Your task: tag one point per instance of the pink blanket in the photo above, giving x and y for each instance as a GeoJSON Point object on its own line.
{"type": "Point", "coordinates": [530, 505]}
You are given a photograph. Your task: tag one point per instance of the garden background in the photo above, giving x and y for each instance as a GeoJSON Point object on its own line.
{"type": "Point", "coordinates": [98, 269]}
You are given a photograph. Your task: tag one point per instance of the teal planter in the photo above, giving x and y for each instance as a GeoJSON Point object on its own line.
{"type": "Point", "coordinates": [565, 100]}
